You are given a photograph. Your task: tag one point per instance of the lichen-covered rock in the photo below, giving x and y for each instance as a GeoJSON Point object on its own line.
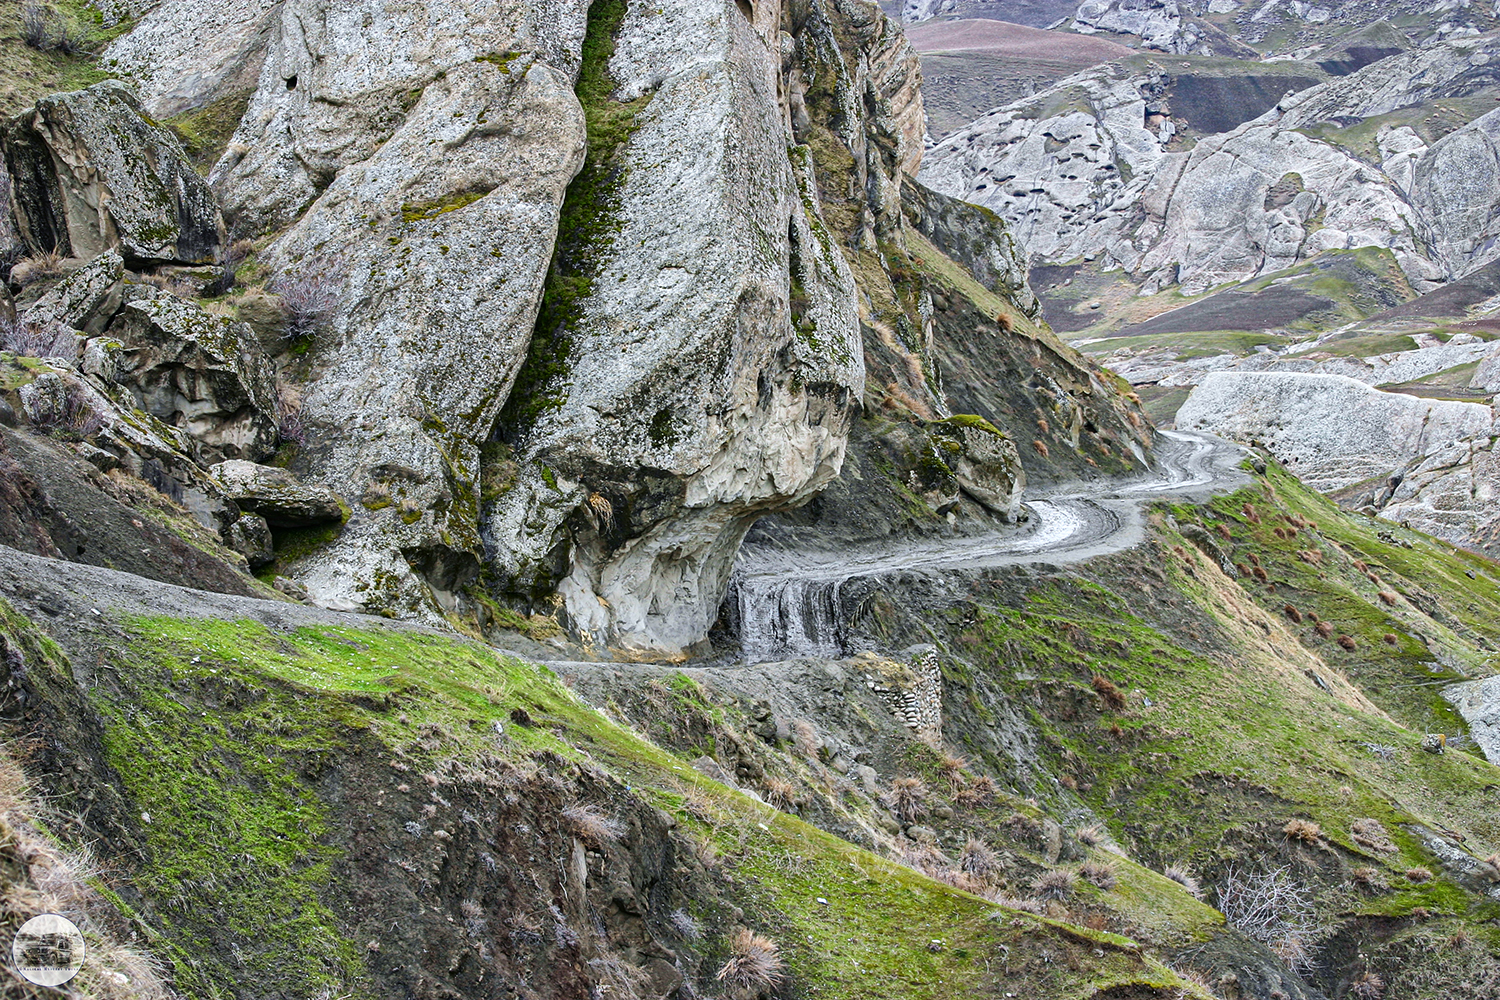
{"type": "Point", "coordinates": [278, 496]}
{"type": "Point", "coordinates": [85, 300]}
{"type": "Point", "coordinates": [708, 371]}
{"type": "Point", "coordinates": [90, 173]}
{"type": "Point", "coordinates": [436, 245]}
{"type": "Point", "coordinates": [985, 461]}
{"type": "Point", "coordinates": [182, 54]}
{"type": "Point", "coordinates": [203, 373]}
{"type": "Point", "coordinates": [1479, 704]}
{"type": "Point", "coordinates": [1328, 429]}
{"type": "Point", "coordinates": [250, 536]}
{"type": "Point", "coordinates": [340, 79]}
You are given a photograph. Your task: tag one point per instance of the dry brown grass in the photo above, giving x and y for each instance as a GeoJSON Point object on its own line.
{"type": "Point", "coordinates": [755, 965]}
{"type": "Point", "coordinates": [1370, 834]}
{"type": "Point", "coordinates": [1389, 597]}
{"type": "Point", "coordinates": [1418, 874]}
{"type": "Point", "coordinates": [1101, 873]}
{"type": "Point", "coordinates": [1347, 642]}
{"type": "Point", "coordinates": [1304, 830]}
{"type": "Point", "coordinates": [1108, 692]}
{"type": "Point", "coordinates": [908, 799]}
{"type": "Point", "coordinates": [1293, 613]}
{"type": "Point", "coordinates": [1041, 448]}
{"type": "Point", "coordinates": [1390, 639]}
{"type": "Point", "coordinates": [1325, 629]}
{"type": "Point", "coordinates": [952, 767]}
{"type": "Point", "coordinates": [588, 822]}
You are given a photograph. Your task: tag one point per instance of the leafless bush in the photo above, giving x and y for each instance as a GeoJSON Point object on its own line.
{"type": "Point", "coordinates": [589, 823]}
{"type": "Point", "coordinates": [780, 793]}
{"type": "Point", "coordinates": [1055, 884]}
{"type": "Point", "coordinates": [1367, 986]}
{"type": "Point", "coordinates": [47, 29]}
{"type": "Point", "coordinates": [309, 297]}
{"type": "Point", "coordinates": [908, 799]}
{"type": "Point", "coordinates": [1273, 908]}
{"type": "Point", "coordinates": [37, 340]}
{"type": "Point", "coordinates": [290, 427]}
{"type": "Point", "coordinates": [953, 767]}
{"type": "Point", "coordinates": [74, 413]}
{"type": "Point", "coordinates": [754, 965]}
{"type": "Point", "coordinates": [683, 923]}
{"type": "Point", "coordinates": [977, 793]}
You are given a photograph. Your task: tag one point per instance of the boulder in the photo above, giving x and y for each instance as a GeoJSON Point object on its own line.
{"type": "Point", "coordinates": [1479, 704]}
{"type": "Point", "coordinates": [985, 461]}
{"type": "Point", "coordinates": [283, 500]}
{"type": "Point", "coordinates": [203, 373]}
{"type": "Point", "coordinates": [91, 173]}
{"type": "Point", "coordinates": [85, 300]}
{"type": "Point", "coordinates": [250, 536]}
{"type": "Point", "coordinates": [1330, 430]}
{"type": "Point", "coordinates": [1487, 375]}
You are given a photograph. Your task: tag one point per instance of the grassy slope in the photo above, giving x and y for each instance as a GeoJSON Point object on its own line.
{"type": "Point", "coordinates": [216, 728]}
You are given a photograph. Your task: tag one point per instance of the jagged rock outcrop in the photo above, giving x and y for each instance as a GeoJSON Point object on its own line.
{"type": "Point", "coordinates": [984, 461]}
{"type": "Point", "coordinates": [85, 300]}
{"type": "Point", "coordinates": [91, 173]}
{"type": "Point", "coordinates": [1163, 25]}
{"type": "Point", "coordinates": [709, 370]}
{"type": "Point", "coordinates": [1330, 430]}
{"type": "Point", "coordinates": [1101, 180]}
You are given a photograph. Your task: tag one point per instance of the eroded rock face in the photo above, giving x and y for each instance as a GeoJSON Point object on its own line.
{"type": "Point", "coordinates": [1330, 430]}
{"type": "Point", "coordinates": [985, 462]}
{"type": "Point", "coordinates": [1099, 180]}
{"type": "Point", "coordinates": [91, 173]}
{"type": "Point", "coordinates": [709, 374]}
{"type": "Point", "coordinates": [454, 134]}
{"type": "Point", "coordinates": [185, 53]}
{"type": "Point", "coordinates": [204, 374]}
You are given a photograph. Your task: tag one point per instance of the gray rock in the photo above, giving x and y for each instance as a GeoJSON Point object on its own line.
{"type": "Point", "coordinates": [250, 536]}
{"type": "Point", "coordinates": [277, 495]}
{"type": "Point", "coordinates": [1479, 704]}
{"type": "Point", "coordinates": [202, 373]}
{"type": "Point", "coordinates": [711, 375]}
{"type": "Point", "coordinates": [183, 54]}
{"type": "Point", "coordinates": [986, 462]}
{"type": "Point", "coordinates": [90, 172]}
{"type": "Point", "coordinates": [710, 768]}
{"type": "Point", "coordinates": [85, 300]}
{"type": "Point", "coordinates": [291, 588]}
{"type": "Point", "coordinates": [1330, 430]}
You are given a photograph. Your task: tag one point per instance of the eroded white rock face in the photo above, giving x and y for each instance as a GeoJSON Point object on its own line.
{"type": "Point", "coordinates": [1246, 202]}
{"type": "Point", "coordinates": [697, 397]}
{"type": "Point", "coordinates": [1329, 430]}
{"type": "Point", "coordinates": [339, 79]}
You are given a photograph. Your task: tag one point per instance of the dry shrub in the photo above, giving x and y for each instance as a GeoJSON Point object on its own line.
{"type": "Point", "coordinates": [1042, 426]}
{"type": "Point", "coordinates": [1418, 874]}
{"type": "Point", "coordinates": [977, 793]}
{"type": "Point", "coordinates": [590, 823]}
{"type": "Point", "coordinates": [1325, 629]}
{"type": "Point", "coordinates": [1367, 986]}
{"type": "Point", "coordinates": [1369, 833]}
{"type": "Point", "coordinates": [309, 297]}
{"type": "Point", "coordinates": [1390, 639]}
{"type": "Point", "coordinates": [1311, 556]}
{"type": "Point", "coordinates": [1112, 696]}
{"type": "Point", "coordinates": [1304, 830]}
{"type": "Point", "coordinates": [908, 799]}
{"type": "Point", "coordinates": [1373, 578]}
{"type": "Point", "coordinates": [1069, 782]}
{"type": "Point", "coordinates": [1388, 596]}
{"type": "Point", "coordinates": [1347, 642]}
{"type": "Point", "coordinates": [1249, 511]}
{"type": "Point", "coordinates": [37, 340]}
{"type": "Point", "coordinates": [37, 267]}
{"type": "Point", "coordinates": [1361, 565]}
{"type": "Point", "coordinates": [953, 767]}
{"type": "Point", "coordinates": [1242, 568]}
{"type": "Point", "coordinates": [1274, 909]}
{"type": "Point", "coordinates": [805, 738]}
{"type": "Point", "coordinates": [978, 859]}
{"type": "Point", "coordinates": [1041, 447]}
{"type": "Point", "coordinates": [780, 793]}
{"type": "Point", "coordinates": [1368, 878]}
{"type": "Point", "coordinates": [1101, 873]}
{"type": "Point", "coordinates": [1224, 532]}
{"type": "Point", "coordinates": [1058, 883]}
{"type": "Point", "coordinates": [1184, 877]}
{"type": "Point", "coordinates": [1293, 613]}
{"type": "Point", "coordinates": [1262, 575]}
{"type": "Point", "coordinates": [754, 965]}
{"type": "Point", "coordinates": [1255, 558]}
{"type": "Point", "coordinates": [1090, 836]}
{"type": "Point", "coordinates": [1005, 323]}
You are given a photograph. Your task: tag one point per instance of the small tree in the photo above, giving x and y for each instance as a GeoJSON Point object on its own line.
{"type": "Point", "coordinates": [309, 297]}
